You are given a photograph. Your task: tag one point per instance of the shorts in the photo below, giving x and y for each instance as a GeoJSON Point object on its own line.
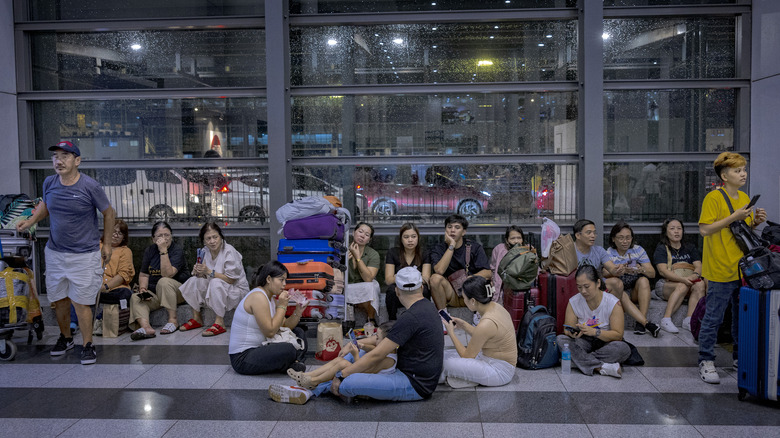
{"type": "Point", "coordinates": [75, 276]}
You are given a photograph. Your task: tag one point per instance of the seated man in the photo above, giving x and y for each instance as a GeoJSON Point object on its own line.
{"type": "Point", "coordinates": [418, 337]}
{"type": "Point", "coordinates": [449, 256]}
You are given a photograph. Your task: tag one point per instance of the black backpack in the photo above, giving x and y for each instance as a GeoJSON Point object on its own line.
{"type": "Point", "coordinates": [771, 233]}
{"type": "Point", "coordinates": [536, 340]}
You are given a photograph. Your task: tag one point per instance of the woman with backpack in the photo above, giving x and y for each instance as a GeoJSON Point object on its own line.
{"type": "Point", "coordinates": [594, 327]}
{"type": "Point", "coordinates": [512, 236]}
{"type": "Point", "coordinates": [490, 357]}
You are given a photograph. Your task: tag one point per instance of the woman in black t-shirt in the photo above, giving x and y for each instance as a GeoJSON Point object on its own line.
{"type": "Point", "coordinates": [163, 270]}
{"type": "Point", "coordinates": [409, 252]}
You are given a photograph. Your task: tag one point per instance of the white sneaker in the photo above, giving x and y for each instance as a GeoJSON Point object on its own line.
{"type": "Point", "coordinates": [611, 369]}
{"type": "Point", "coordinates": [687, 323]}
{"type": "Point", "coordinates": [456, 383]}
{"type": "Point", "coordinates": [668, 326]}
{"type": "Point", "coordinates": [289, 394]}
{"type": "Point", "coordinates": [708, 373]}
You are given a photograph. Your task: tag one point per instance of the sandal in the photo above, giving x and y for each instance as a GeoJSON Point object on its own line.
{"type": "Point", "coordinates": [189, 325]}
{"type": "Point", "coordinates": [214, 330]}
{"type": "Point", "coordinates": [141, 334]}
{"type": "Point", "coordinates": [168, 329]}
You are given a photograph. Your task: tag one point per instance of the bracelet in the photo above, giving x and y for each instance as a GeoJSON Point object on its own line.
{"type": "Point", "coordinates": [163, 253]}
{"type": "Point", "coordinates": [279, 306]}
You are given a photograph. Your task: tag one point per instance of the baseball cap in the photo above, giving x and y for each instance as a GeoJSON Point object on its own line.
{"type": "Point", "coordinates": [408, 279]}
{"type": "Point", "coordinates": [67, 147]}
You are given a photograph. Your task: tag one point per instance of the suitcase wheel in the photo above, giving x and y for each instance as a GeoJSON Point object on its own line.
{"type": "Point", "coordinates": [742, 394]}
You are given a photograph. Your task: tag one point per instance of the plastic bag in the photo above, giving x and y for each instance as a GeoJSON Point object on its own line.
{"type": "Point", "coordinates": [550, 232]}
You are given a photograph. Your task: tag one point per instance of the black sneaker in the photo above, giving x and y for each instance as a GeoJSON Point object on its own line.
{"type": "Point", "coordinates": [63, 344]}
{"type": "Point", "coordinates": [653, 329]}
{"type": "Point", "coordinates": [298, 366]}
{"type": "Point", "coordinates": [639, 329]}
{"type": "Point", "coordinates": [88, 355]}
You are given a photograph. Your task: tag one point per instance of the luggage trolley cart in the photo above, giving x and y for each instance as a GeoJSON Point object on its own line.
{"type": "Point", "coordinates": [18, 298]}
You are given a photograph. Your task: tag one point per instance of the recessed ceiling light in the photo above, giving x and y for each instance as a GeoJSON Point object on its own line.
{"type": "Point", "coordinates": [398, 41]}
{"type": "Point", "coordinates": [136, 46]}
{"type": "Point", "coordinates": [332, 42]}
{"type": "Point", "coordinates": [548, 36]}
{"type": "Point", "coordinates": [540, 44]}
{"type": "Point", "coordinates": [605, 36]}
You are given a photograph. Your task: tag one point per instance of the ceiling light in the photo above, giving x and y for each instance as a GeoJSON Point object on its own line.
{"type": "Point", "coordinates": [434, 28]}
{"type": "Point", "coordinates": [491, 37]}
{"type": "Point", "coordinates": [434, 46]}
{"type": "Point", "coordinates": [540, 44]}
{"type": "Point", "coordinates": [398, 41]}
{"type": "Point", "coordinates": [332, 42]}
{"type": "Point", "coordinates": [495, 27]}
{"type": "Point", "coordinates": [605, 36]}
{"type": "Point", "coordinates": [484, 62]}
{"type": "Point", "coordinates": [548, 36]}
{"type": "Point", "coordinates": [136, 46]}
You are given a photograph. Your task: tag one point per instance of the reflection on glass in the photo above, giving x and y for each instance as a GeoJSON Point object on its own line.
{"type": "Point", "coordinates": [691, 120]}
{"type": "Point", "coordinates": [669, 48]}
{"type": "Point", "coordinates": [330, 7]}
{"type": "Point", "coordinates": [424, 193]}
{"type": "Point", "coordinates": [664, 2]}
{"type": "Point", "coordinates": [132, 9]}
{"type": "Point", "coordinates": [652, 192]}
{"type": "Point", "coordinates": [434, 53]}
{"type": "Point", "coordinates": [154, 128]}
{"type": "Point", "coordinates": [439, 124]}
{"type": "Point", "coordinates": [148, 59]}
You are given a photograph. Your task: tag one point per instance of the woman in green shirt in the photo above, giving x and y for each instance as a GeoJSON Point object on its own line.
{"type": "Point", "coordinates": [362, 266]}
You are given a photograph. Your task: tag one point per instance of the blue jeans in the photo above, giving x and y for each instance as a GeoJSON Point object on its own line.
{"type": "Point", "coordinates": [394, 387]}
{"type": "Point", "coordinates": [718, 297]}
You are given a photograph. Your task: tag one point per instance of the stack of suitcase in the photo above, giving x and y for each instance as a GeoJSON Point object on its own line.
{"type": "Point", "coordinates": [555, 292]}
{"type": "Point", "coordinates": [313, 251]}
{"type": "Point", "coordinates": [759, 343]}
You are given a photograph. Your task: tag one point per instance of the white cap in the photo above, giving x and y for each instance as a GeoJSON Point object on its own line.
{"type": "Point", "coordinates": [408, 279]}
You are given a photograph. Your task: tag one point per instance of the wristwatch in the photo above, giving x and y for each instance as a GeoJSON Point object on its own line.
{"type": "Point", "coordinates": [451, 248]}
{"type": "Point", "coordinates": [213, 272]}
{"type": "Point", "coordinates": [598, 332]}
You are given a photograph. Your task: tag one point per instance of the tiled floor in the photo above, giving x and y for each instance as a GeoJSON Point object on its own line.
{"type": "Point", "coordinates": [182, 385]}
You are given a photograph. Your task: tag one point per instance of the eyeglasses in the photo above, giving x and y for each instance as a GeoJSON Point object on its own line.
{"type": "Point", "coordinates": [116, 233]}
{"type": "Point", "coordinates": [623, 238]}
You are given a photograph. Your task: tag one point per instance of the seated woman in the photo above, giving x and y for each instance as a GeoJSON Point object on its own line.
{"type": "Point", "coordinates": [347, 356]}
{"type": "Point", "coordinates": [218, 281]}
{"type": "Point", "coordinates": [490, 357]}
{"type": "Point", "coordinates": [362, 266]}
{"type": "Point", "coordinates": [118, 272]}
{"type": "Point", "coordinates": [408, 253]}
{"type": "Point", "coordinates": [631, 284]}
{"type": "Point", "coordinates": [163, 270]}
{"type": "Point", "coordinates": [258, 319]}
{"type": "Point", "coordinates": [680, 268]}
{"type": "Point", "coordinates": [596, 344]}
{"type": "Point", "coordinates": [512, 236]}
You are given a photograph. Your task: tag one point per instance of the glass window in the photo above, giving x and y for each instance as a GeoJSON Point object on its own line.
{"type": "Point", "coordinates": [154, 128]}
{"type": "Point", "coordinates": [134, 9]}
{"type": "Point", "coordinates": [434, 53]}
{"type": "Point", "coordinates": [148, 59]}
{"type": "Point", "coordinates": [652, 192]}
{"type": "Point", "coordinates": [663, 2]}
{"type": "Point", "coordinates": [424, 193]}
{"type": "Point", "coordinates": [669, 48]}
{"type": "Point", "coordinates": [439, 124]}
{"type": "Point", "coordinates": [190, 195]}
{"type": "Point", "coordinates": [330, 6]}
{"type": "Point", "coordinates": [692, 120]}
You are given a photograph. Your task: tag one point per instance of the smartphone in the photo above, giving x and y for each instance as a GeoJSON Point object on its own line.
{"type": "Point", "coordinates": [697, 280]}
{"type": "Point", "coordinates": [445, 315]}
{"type": "Point", "coordinates": [201, 253]}
{"type": "Point", "coordinates": [753, 202]}
{"type": "Point", "coordinates": [574, 330]}
{"type": "Point", "coordinates": [352, 337]}
{"type": "Point", "coordinates": [145, 295]}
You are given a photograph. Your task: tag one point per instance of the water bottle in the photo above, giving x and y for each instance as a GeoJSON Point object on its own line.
{"type": "Point", "coordinates": [368, 328]}
{"type": "Point", "coordinates": [566, 359]}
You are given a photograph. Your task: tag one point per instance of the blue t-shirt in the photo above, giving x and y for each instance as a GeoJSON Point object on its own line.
{"type": "Point", "coordinates": [73, 214]}
{"type": "Point", "coordinates": [634, 256]}
{"type": "Point", "coordinates": [596, 257]}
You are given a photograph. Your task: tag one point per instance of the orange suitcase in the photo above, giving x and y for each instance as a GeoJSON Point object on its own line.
{"type": "Point", "coordinates": [309, 275]}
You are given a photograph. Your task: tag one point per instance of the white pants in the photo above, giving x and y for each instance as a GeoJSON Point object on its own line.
{"type": "Point", "coordinates": [362, 292]}
{"type": "Point", "coordinates": [75, 276]}
{"type": "Point", "coordinates": [482, 369]}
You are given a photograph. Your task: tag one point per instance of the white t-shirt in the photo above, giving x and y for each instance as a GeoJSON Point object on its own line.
{"type": "Point", "coordinates": [594, 318]}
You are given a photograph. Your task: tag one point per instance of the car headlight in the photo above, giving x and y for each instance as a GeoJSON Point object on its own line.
{"type": "Point", "coordinates": [486, 193]}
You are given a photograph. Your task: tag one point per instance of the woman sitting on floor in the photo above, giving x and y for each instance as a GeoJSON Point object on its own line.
{"type": "Point", "coordinates": [596, 342]}
{"type": "Point", "coordinates": [218, 281]}
{"type": "Point", "coordinates": [258, 318]}
{"type": "Point", "coordinates": [362, 289]}
{"type": "Point", "coordinates": [490, 357]}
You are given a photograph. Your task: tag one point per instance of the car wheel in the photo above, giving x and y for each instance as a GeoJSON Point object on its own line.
{"type": "Point", "coordinates": [469, 208]}
{"type": "Point", "coordinates": [161, 213]}
{"type": "Point", "coordinates": [252, 215]}
{"type": "Point", "coordinates": [384, 208]}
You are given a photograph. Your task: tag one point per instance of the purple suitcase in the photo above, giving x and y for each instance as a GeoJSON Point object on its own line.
{"type": "Point", "coordinates": [320, 226]}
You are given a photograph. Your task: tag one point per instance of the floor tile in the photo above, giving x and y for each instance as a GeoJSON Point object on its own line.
{"type": "Point", "coordinates": [31, 375]}
{"type": "Point", "coordinates": [194, 428]}
{"type": "Point", "coordinates": [233, 380]}
{"type": "Point", "coordinates": [627, 408]}
{"type": "Point", "coordinates": [118, 428]}
{"type": "Point", "coordinates": [642, 431]}
{"type": "Point", "coordinates": [531, 380]}
{"type": "Point", "coordinates": [738, 431]}
{"type": "Point", "coordinates": [427, 430]}
{"type": "Point", "coordinates": [663, 340]}
{"type": "Point", "coordinates": [725, 409]}
{"type": "Point", "coordinates": [35, 427]}
{"type": "Point", "coordinates": [632, 381]}
{"type": "Point", "coordinates": [528, 407]}
{"type": "Point", "coordinates": [57, 403]}
{"type": "Point", "coordinates": [547, 430]}
{"type": "Point", "coordinates": [180, 376]}
{"type": "Point", "coordinates": [686, 380]}
{"type": "Point", "coordinates": [331, 429]}
{"type": "Point", "coordinates": [98, 376]}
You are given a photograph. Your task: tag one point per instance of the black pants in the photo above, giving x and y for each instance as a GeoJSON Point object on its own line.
{"type": "Point", "coordinates": [393, 303]}
{"type": "Point", "coordinates": [270, 358]}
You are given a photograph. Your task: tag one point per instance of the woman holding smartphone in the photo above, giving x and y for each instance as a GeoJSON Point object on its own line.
{"type": "Point", "coordinates": [490, 357]}
{"type": "Point", "coordinates": [596, 340]}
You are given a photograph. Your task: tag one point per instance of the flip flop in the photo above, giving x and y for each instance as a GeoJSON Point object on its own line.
{"type": "Point", "coordinates": [141, 334]}
{"type": "Point", "coordinates": [168, 329]}
{"type": "Point", "coordinates": [214, 330]}
{"type": "Point", "coordinates": [189, 325]}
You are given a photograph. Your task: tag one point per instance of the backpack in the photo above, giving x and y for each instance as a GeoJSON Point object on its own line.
{"type": "Point", "coordinates": [698, 316]}
{"type": "Point", "coordinates": [536, 344]}
{"type": "Point", "coordinates": [760, 268]}
{"type": "Point", "coordinates": [771, 233]}
{"type": "Point", "coordinates": [518, 268]}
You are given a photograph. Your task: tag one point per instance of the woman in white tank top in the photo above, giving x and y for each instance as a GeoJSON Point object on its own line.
{"type": "Point", "coordinates": [258, 318]}
{"type": "Point", "coordinates": [596, 319]}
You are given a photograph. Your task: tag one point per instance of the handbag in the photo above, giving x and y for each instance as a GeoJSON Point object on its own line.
{"type": "Point", "coordinates": [563, 256]}
{"type": "Point", "coordinates": [329, 338]}
{"type": "Point", "coordinates": [683, 269]}
{"type": "Point", "coordinates": [743, 233]}
{"type": "Point", "coordinates": [459, 277]}
{"type": "Point", "coordinates": [285, 335]}
{"type": "Point", "coordinates": [629, 280]}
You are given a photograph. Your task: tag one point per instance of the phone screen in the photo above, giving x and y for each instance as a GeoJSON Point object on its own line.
{"type": "Point", "coordinates": [352, 337]}
{"type": "Point", "coordinates": [445, 315]}
{"type": "Point", "coordinates": [572, 329]}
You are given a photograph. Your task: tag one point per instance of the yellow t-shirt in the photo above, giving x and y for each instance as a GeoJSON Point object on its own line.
{"type": "Point", "coordinates": [721, 254]}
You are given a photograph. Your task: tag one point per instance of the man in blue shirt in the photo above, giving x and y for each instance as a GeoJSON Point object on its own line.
{"type": "Point", "coordinates": [73, 256]}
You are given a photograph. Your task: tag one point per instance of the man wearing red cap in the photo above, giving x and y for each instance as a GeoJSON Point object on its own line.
{"type": "Point", "coordinates": [73, 256]}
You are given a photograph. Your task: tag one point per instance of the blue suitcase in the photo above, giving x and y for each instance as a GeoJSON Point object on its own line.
{"type": "Point", "coordinates": [759, 343]}
{"type": "Point", "coordinates": [318, 250]}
